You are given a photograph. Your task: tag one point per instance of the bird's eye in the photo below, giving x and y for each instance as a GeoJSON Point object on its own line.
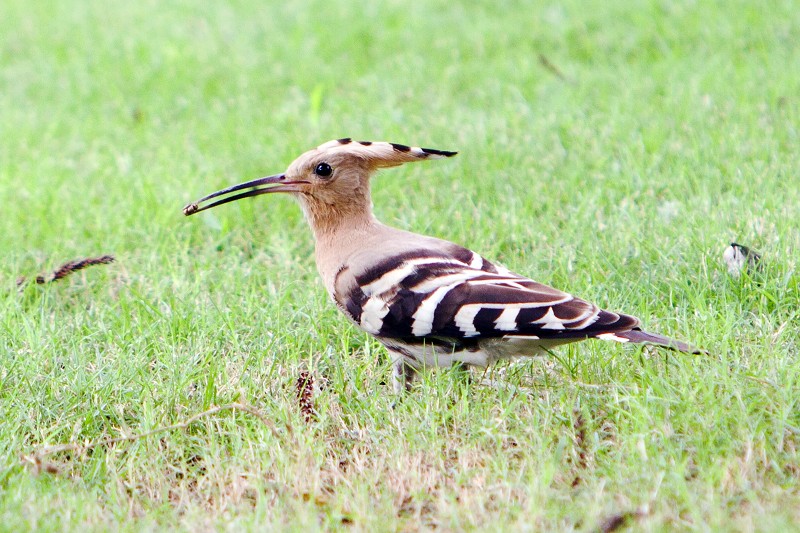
{"type": "Point", "coordinates": [323, 170]}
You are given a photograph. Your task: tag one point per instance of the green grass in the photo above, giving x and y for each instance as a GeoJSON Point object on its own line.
{"type": "Point", "coordinates": [665, 130]}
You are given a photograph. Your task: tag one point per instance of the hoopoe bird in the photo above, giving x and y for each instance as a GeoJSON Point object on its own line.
{"type": "Point", "coordinates": [430, 302]}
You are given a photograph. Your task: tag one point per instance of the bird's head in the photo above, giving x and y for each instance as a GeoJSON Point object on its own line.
{"type": "Point", "coordinates": [331, 181]}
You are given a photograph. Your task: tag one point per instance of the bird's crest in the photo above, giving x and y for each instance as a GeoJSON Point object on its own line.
{"type": "Point", "coordinates": [383, 154]}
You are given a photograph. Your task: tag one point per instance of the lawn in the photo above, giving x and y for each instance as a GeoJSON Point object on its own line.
{"type": "Point", "coordinates": [612, 149]}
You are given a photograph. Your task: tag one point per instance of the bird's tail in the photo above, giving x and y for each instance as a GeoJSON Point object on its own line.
{"type": "Point", "coordinates": [638, 336]}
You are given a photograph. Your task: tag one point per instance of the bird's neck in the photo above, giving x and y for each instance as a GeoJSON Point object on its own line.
{"type": "Point", "coordinates": [340, 230]}
{"type": "Point", "coordinates": [332, 222]}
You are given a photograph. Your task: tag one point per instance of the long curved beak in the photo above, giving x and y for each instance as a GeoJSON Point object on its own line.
{"type": "Point", "coordinates": [277, 183]}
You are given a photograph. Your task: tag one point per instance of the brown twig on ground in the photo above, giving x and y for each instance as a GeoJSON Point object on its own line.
{"type": "Point", "coordinates": [549, 65]}
{"type": "Point", "coordinates": [36, 458]}
{"type": "Point", "coordinates": [305, 396]}
{"type": "Point", "coordinates": [68, 268]}
{"type": "Point", "coordinates": [73, 266]}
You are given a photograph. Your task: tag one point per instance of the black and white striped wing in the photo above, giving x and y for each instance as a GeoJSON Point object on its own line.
{"type": "Point", "coordinates": [463, 297]}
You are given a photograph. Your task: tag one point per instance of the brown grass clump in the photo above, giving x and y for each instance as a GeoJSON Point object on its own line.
{"type": "Point", "coordinates": [305, 396]}
{"type": "Point", "coordinates": [581, 446]}
{"type": "Point", "coordinates": [619, 520]}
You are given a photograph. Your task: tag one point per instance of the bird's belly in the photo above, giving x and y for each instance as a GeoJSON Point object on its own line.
{"type": "Point", "coordinates": [483, 354]}
{"type": "Point", "coordinates": [429, 355]}
{"type": "Point", "coordinates": [474, 358]}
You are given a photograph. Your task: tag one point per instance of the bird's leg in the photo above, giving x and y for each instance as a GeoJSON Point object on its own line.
{"type": "Point", "coordinates": [462, 370]}
{"type": "Point", "coordinates": [402, 375]}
